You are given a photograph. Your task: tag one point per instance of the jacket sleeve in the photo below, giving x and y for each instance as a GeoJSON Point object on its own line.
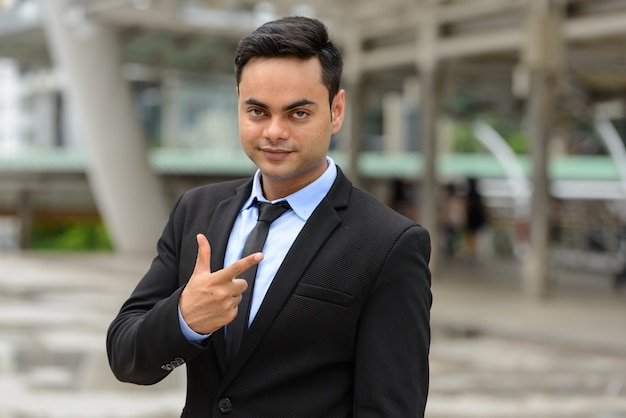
{"type": "Point", "coordinates": [392, 369]}
{"type": "Point", "coordinates": [144, 341]}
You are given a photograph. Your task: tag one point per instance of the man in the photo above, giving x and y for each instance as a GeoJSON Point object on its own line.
{"type": "Point", "coordinates": [339, 315]}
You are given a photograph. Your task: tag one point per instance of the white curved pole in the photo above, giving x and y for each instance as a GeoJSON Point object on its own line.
{"type": "Point", "coordinates": [128, 193]}
{"type": "Point", "coordinates": [519, 185]}
{"type": "Point", "coordinates": [616, 148]}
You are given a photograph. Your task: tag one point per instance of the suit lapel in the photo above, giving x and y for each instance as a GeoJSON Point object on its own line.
{"type": "Point", "coordinates": [323, 221]}
{"type": "Point", "coordinates": [218, 232]}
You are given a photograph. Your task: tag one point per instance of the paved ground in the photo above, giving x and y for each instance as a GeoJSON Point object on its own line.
{"type": "Point", "coordinates": [498, 354]}
{"type": "Point", "coordinates": [495, 353]}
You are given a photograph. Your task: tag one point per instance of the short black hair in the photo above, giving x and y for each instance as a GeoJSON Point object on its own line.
{"type": "Point", "coordinates": [294, 36]}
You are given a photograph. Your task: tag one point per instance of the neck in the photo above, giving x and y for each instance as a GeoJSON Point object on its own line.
{"type": "Point", "coordinates": [278, 188]}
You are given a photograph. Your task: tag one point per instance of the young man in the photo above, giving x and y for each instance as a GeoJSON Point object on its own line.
{"type": "Point", "coordinates": [338, 324]}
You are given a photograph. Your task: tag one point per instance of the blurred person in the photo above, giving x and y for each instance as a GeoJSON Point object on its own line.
{"type": "Point", "coordinates": [402, 198]}
{"type": "Point", "coordinates": [619, 279]}
{"type": "Point", "coordinates": [618, 210]}
{"type": "Point", "coordinates": [454, 216]}
{"type": "Point", "coordinates": [475, 217]}
{"type": "Point", "coordinates": [338, 324]}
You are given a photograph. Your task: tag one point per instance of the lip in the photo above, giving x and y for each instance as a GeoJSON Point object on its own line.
{"type": "Point", "coordinates": [275, 153]}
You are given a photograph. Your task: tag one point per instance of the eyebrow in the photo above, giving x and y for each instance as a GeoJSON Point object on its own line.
{"type": "Point", "coordinates": [298, 103]}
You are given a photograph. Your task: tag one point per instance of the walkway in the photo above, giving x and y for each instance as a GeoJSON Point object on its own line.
{"type": "Point", "coordinates": [494, 354]}
{"type": "Point", "coordinates": [583, 310]}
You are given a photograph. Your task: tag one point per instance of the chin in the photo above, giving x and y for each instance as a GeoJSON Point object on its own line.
{"type": "Point", "coordinates": [273, 173]}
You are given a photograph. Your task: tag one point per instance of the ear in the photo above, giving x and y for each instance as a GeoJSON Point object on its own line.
{"type": "Point", "coordinates": [337, 111]}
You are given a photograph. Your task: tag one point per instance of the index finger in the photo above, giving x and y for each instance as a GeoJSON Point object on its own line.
{"type": "Point", "coordinates": [203, 259]}
{"type": "Point", "coordinates": [243, 264]}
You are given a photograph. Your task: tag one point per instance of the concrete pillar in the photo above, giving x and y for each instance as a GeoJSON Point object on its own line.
{"type": "Point", "coordinates": [127, 192]}
{"type": "Point", "coordinates": [25, 216]}
{"type": "Point", "coordinates": [429, 110]}
{"type": "Point", "coordinates": [411, 97]}
{"type": "Point", "coordinates": [427, 65]}
{"type": "Point", "coordinates": [355, 92]}
{"type": "Point", "coordinates": [43, 114]}
{"type": "Point", "coordinates": [355, 121]}
{"type": "Point", "coordinates": [171, 106]}
{"type": "Point", "coordinates": [11, 118]}
{"type": "Point", "coordinates": [542, 58]}
{"type": "Point", "coordinates": [394, 123]}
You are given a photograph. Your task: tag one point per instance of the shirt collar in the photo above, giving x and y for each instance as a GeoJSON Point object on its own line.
{"type": "Point", "coordinates": [304, 201]}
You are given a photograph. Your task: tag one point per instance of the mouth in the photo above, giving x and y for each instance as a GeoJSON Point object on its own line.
{"type": "Point", "coordinates": [275, 154]}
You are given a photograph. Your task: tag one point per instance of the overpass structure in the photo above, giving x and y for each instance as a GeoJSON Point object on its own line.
{"type": "Point", "coordinates": [547, 61]}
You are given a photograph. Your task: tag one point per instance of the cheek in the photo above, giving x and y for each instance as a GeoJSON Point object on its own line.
{"type": "Point", "coordinates": [244, 125]}
{"type": "Point", "coordinates": [247, 130]}
{"type": "Point", "coordinates": [317, 142]}
{"type": "Point", "coordinates": [245, 138]}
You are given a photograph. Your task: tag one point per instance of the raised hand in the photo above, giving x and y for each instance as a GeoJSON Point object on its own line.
{"type": "Point", "coordinates": [211, 299]}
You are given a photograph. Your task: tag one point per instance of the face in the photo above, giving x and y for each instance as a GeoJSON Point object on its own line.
{"type": "Point", "coordinates": [286, 122]}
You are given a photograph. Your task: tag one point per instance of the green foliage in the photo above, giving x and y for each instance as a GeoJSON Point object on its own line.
{"type": "Point", "coordinates": [70, 235]}
{"type": "Point", "coordinates": [518, 142]}
{"type": "Point", "coordinates": [510, 130]}
{"type": "Point", "coordinates": [464, 141]}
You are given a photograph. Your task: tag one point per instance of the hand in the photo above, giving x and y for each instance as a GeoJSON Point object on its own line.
{"type": "Point", "coordinates": [211, 299]}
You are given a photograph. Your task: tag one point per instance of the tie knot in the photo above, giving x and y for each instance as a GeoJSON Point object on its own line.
{"type": "Point", "coordinates": [269, 212]}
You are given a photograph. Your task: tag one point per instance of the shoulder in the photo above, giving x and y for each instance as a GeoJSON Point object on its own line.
{"type": "Point", "coordinates": [370, 207]}
{"type": "Point", "coordinates": [363, 212]}
{"type": "Point", "coordinates": [218, 191]}
{"type": "Point", "coordinates": [202, 200]}
{"type": "Point", "coordinates": [373, 221]}
{"type": "Point", "coordinates": [212, 193]}
{"type": "Point", "coordinates": [364, 209]}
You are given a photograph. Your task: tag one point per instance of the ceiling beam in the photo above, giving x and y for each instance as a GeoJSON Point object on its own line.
{"type": "Point", "coordinates": [173, 16]}
{"type": "Point", "coordinates": [184, 19]}
{"type": "Point", "coordinates": [594, 27]}
{"type": "Point", "coordinates": [495, 41]}
{"type": "Point", "coordinates": [468, 10]}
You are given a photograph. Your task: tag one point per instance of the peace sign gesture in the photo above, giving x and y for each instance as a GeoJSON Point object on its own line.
{"type": "Point", "coordinates": [211, 299]}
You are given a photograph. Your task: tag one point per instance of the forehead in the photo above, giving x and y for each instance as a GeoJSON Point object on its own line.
{"type": "Point", "coordinates": [281, 74]}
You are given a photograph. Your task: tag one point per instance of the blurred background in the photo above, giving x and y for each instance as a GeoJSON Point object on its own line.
{"type": "Point", "coordinates": [499, 125]}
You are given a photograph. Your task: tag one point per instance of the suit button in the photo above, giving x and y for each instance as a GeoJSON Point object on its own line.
{"type": "Point", "coordinates": [225, 405]}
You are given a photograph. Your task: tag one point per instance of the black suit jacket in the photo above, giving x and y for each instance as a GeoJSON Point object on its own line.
{"type": "Point", "coordinates": [343, 330]}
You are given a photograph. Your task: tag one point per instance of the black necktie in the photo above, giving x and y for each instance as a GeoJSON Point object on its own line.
{"type": "Point", "coordinates": [267, 214]}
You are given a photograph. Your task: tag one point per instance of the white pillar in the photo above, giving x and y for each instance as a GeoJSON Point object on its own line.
{"type": "Point", "coordinates": [355, 108]}
{"type": "Point", "coordinates": [355, 119]}
{"type": "Point", "coordinates": [127, 192]}
{"type": "Point", "coordinates": [10, 104]}
{"type": "Point", "coordinates": [429, 92]}
{"type": "Point", "coordinates": [394, 123]}
{"type": "Point", "coordinates": [170, 88]}
{"type": "Point", "coordinates": [43, 118]}
{"type": "Point", "coordinates": [542, 59]}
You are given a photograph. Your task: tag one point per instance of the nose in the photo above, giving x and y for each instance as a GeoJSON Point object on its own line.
{"type": "Point", "coordinates": [276, 129]}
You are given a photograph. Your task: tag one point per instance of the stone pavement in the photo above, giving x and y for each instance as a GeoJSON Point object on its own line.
{"type": "Point", "coordinates": [582, 310]}
{"type": "Point", "coordinates": [495, 353]}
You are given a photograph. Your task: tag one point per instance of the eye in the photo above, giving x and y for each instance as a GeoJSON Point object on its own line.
{"type": "Point", "coordinates": [256, 112]}
{"type": "Point", "coordinates": [300, 115]}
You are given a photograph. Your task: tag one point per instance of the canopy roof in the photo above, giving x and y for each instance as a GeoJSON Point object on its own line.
{"type": "Point", "coordinates": [475, 39]}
